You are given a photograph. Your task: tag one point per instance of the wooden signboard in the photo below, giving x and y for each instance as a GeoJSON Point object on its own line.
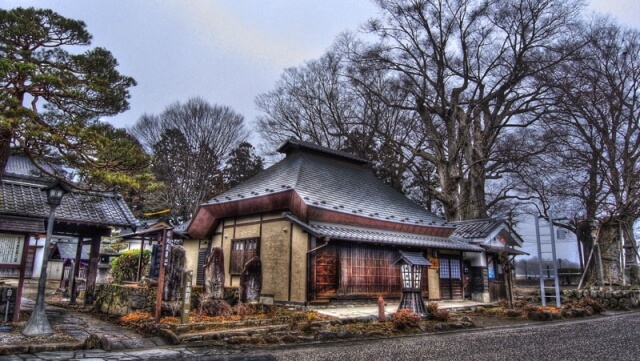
{"type": "Point", "coordinates": [11, 246]}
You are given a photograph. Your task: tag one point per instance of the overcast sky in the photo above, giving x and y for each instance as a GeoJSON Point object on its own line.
{"type": "Point", "coordinates": [226, 51]}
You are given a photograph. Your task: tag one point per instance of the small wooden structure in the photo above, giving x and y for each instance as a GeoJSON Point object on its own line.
{"type": "Point", "coordinates": [86, 216]}
{"type": "Point", "coordinates": [155, 236]}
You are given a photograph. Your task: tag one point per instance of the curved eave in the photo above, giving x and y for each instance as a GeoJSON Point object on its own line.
{"type": "Point", "coordinates": [209, 214]}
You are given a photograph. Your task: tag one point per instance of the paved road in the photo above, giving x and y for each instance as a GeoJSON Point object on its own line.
{"type": "Point", "coordinates": [610, 338]}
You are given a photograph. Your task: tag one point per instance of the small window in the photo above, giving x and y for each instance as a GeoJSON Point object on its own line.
{"type": "Point", "coordinates": [242, 250]}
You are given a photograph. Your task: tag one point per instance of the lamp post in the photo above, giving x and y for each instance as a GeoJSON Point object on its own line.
{"type": "Point", "coordinates": [38, 323]}
{"type": "Point", "coordinates": [411, 265]}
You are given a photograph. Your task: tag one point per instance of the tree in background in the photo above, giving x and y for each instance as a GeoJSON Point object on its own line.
{"type": "Point", "coordinates": [594, 143]}
{"type": "Point", "coordinates": [469, 70]}
{"type": "Point", "coordinates": [442, 85]}
{"type": "Point", "coordinates": [189, 143]}
{"type": "Point", "coordinates": [242, 164]}
{"type": "Point", "coordinates": [51, 101]}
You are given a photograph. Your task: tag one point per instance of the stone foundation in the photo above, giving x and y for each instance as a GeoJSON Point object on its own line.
{"type": "Point", "coordinates": [607, 297]}
{"type": "Point", "coordinates": [122, 300]}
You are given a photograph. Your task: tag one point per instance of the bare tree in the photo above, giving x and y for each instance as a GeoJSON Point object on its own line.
{"type": "Point", "coordinates": [470, 69]}
{"type": "Point", "coordinates": [190, 143]}
{"type": "Point", "coordinates": [316, 102]}
{"type": "Point", "coordinates": [598, 107]}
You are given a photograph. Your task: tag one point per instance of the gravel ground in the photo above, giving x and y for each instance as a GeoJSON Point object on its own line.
{"type": "Point", "coordinates": [597, 338]}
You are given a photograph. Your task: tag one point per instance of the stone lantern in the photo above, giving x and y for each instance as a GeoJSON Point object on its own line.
{"type": "Point", "coordinates": [411, 266]}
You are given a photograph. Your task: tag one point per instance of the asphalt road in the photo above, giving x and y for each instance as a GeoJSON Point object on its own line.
{"type": "Point", "coordinates": [615, 337]}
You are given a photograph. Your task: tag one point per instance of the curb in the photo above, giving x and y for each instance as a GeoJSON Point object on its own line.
{"type": "Point", "coordinates": [46, 347]}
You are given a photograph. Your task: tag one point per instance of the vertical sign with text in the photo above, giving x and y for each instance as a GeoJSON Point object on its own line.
{"type": "Point", "coordinates": [186, 296]}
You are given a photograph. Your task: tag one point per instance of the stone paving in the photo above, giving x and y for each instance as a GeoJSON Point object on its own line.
{"type": "Point", "coordinates": [80, 326]}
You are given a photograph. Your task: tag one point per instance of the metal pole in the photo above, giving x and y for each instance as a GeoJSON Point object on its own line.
{"type": "Point", "coordinates": [555, 265]}
{"type": "Point", "coordinates": [543, 296]}
{"type": "Point", "coordinates": [38, 323]}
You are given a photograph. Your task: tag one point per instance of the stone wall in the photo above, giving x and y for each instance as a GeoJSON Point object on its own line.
{"type": "Point", "coordinates": [120, 300]}
{"type": "Point", "coordinates": [607, 297]}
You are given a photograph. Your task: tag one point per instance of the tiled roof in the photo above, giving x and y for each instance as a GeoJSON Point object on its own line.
{"type": "Point", "coordinates": [361, 234]}
{"type": "Point", "coordinates": [482, 230]}
{"type": "Point", "coordinates": [295, 144]}
{"type": "Point", "coordinates": [413, 258]}
{"type": "Point", "coordinates": [479, 228]}
{"type": "Point", "coordinates": [22, 195]}
{"type": "Point", "coordinates": [324, 182]}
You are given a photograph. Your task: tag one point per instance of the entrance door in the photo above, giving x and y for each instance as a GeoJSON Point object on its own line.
{"type": "Point", "coordinates": [326, 272]}
{"type": "Point", "coordinates": [450, 278]}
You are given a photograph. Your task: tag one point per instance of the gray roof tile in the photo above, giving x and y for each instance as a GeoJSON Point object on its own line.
{"type": "Point", "coordinates": [479, 228]}
{"type": "Point", "coordinates": [334, 185]}
{"type": "Point", "coordinates": [362, 234]}
{"type": "Point", "coordinates": [22, 195]}
{"type": "Point", "coordinates": [413, 258]}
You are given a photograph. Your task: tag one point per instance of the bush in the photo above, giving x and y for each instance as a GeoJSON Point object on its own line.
{"type": "Point", "coordinates": [214, 307]}
{"type": "Point", "coordinates": [404, 319]}
{"type": "Point", "coordinates": [440, 315]}
{"type": "Point", "coordinates": [432, 307]}
{"type": "Point", "coordinates": [125, 266]}
{"type": "Point", "coordinates": [590, 302]}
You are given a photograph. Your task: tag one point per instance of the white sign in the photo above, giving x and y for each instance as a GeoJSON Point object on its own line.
{"type": "Point", "coordinates": [11, 248]}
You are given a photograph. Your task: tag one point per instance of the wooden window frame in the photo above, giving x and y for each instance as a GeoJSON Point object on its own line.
{"type": "Point", "coordinates": [249, 247]}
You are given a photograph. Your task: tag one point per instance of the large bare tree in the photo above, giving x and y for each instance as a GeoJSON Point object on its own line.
{"type": "Point", "coordinates": [190, 142]}
{"type": "Point", "coordinates": [470, 69]}
{"type": "Point", "coordinates": [598, 109]}
{"type": "Point", "coordinates": [439, 88]}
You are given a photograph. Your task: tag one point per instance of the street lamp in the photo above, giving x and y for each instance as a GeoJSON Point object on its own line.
{"type": "Point", "coordinates": [411, 266]}
{"type": "Point", "coordinates": [38, 323]}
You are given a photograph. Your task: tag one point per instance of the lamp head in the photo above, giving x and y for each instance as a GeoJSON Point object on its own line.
{"type": "Point", "coordinates": [55, 192]}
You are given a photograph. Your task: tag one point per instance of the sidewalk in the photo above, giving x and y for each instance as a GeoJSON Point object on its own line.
{"type": "Point", "coordinates": [78, 325]}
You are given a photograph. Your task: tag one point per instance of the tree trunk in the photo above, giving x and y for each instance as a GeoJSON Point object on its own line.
{"type": "Point", "coordinates": [611, 252]}
{"type": "Point", "coordinates": [5, 142]}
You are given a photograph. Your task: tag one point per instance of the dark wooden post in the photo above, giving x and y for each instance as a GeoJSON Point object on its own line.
{"type": "Point", "coordinates": [75, 271]}
{"type": "Point", "coordinates": [94, 257]}
{"type": "Point", "coordinates": [163, 242]}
